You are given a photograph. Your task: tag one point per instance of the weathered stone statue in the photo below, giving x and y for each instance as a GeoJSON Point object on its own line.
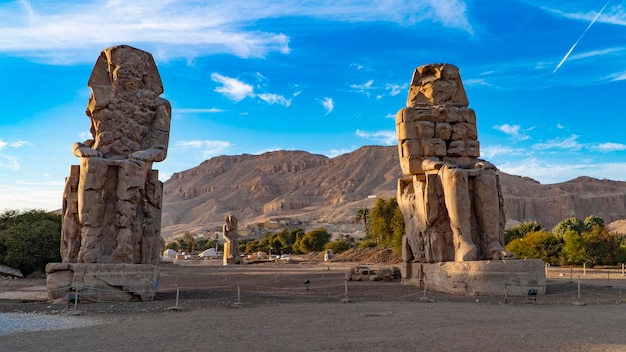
{"type": "Point", "coordinates": [112, 200]}
{"type": "Point", "coordinates": [231, 246]}
{"type": "Point", "coordinates": [451, 201]}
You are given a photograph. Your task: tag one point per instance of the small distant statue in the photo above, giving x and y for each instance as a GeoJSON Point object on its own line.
{"type": "Point", "coordinates": [112, 201]}
{"type": "Point", "coordinates": [231, 246]}
{"type": "Point", "coordinates": [451, 201]}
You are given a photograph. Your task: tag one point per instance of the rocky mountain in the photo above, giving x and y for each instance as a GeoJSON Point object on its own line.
{"type": "Point", "coordinates": [322, 191]}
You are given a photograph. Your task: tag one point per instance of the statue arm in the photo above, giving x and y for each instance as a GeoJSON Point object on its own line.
{"type": "Point", "coordinates": [156, 153]}
{"type": "Point", "coordinates": [84, 150]}
{"type": "Point", "coordinates": [158, 138]}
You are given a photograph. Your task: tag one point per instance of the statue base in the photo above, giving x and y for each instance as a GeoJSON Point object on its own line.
{"type": "Point", "coordinates": [102, 282]}
{"type": "Point", "coordinates": [479, 278]}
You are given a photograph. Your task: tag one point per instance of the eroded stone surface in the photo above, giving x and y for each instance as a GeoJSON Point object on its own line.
{"type": "Point", "coordinates": [112, 200]}
{"type": "Point", "coordinates": [102, 282]}
{"type": "Point", "coordinates": [110, 240]}
{"type": "Point", "coordinates": [451, 200]}
{"type": "Point", "coordinates": [478, 278]}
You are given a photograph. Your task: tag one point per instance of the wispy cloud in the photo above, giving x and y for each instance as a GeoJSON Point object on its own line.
{"type": "Point", "coordinates": [328, 104]}
{"type": "Point", "coordinates": [66, 32]}
{"type": "Point", "coordinates": [206, 148]}
{"type": "Point", "coordinates": [567, 143]}
{"type": "Point", "coordinates": [237, 90]}
{"type": "Point", "coordinates": [571, 143]}
{"type": "Point", "coordinates": [232, 88]}
{"type": "Point", "coordinates": [489, 152]}
{"type": "Point", "coordinates": [395, 89]}
{"type": "Point", "coordinates": [363, 87]}
{"type": "Point", "coordinates": [384, 137]}
{"type": "Point", "coordinates": [336, 152]}
{"type": "Point", "coordinates": [197, 111]}
{"type": "Point", "coordinates": [15, 144]}
{"type": "Point", "coordinates": [275, 99]}
{"type": "Point", "coordinates": [514, 131]}
{"type": "Point", "coordinates": [607, 147]}
{"type": "Point", "coordinates": [547, 171]}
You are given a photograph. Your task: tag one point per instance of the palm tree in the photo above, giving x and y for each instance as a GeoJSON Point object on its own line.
{"type": "Point", "coordinates": [363, 215]}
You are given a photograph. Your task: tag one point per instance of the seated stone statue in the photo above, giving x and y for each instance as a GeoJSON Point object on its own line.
{"type": "Point", "coordinates": [451, 202]}
{"type": "Point", "coordinates": [112, 201]}
{"type": "Point", "coordinates": [231, 246]}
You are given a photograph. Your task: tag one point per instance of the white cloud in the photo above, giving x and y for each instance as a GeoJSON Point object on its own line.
{"type": "Point", "coordinates": [384, 137]}
{"type": "Point", "coordinates": [237, 90]}
{"type": "Point", "coordinates": [395, 89]}
{"type": "Point", "coordinates": [196, 111]}
{"type": "Point", "coordinates": [607, 147]}
{"type": "Point", "coordinates": [328, 104]}
{"type": "Point", "coordinates": [232, 88]}
{"type": "Point", "coordinates": [336, 152]}
{"type": "Point", "coordinates": [547, 171]}
{"type": "Point", "coordinates": [206, 148]}
{"type": "Point", "coordinates": [357, 66]}
{"type": "Point", "coordinates": [476, 82]}
{"type": "Point", "coordinates": [363, 87]}
{"type": "Point", "coordinates": [16, 144]}
{"type": "Point", "coordinates": [275, 99]}
{"type": "Point", "coordinates": [515, 131]}
{"type": "Point", "coordinates": [203, 144]}
{"type": "Point", "coordinates": [568, 143]}
{"type": "Point", "coordinates": [64, 32]}
{"type": "Point", "coordinates": [19, 144]}
{"type": "Point", "coordinates": [489, 152]}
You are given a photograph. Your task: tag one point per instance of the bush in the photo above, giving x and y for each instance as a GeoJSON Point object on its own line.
{"type": "Point", "coordinates": [539, 245]}
{"type": "Point", "coordinates": [29, 240]}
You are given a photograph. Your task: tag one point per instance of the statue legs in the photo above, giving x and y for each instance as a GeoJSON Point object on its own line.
{"type": "Point", "coordinates": [458, 202]}
{"type": "Point", "coordinates": [488, 215]}
{"type": "Point", "coordinates": [111, 212]}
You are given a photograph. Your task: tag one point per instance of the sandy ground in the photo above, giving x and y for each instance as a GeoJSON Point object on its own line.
{"type": "Point", "coordinates": [278, 313]}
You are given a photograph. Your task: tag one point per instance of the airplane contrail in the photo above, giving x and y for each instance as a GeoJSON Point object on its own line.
{"type": "Point", "coordinates": [581, 37]}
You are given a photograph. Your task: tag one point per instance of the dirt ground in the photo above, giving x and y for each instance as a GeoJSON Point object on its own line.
{"type": "Point", "coordinates": [268, 307]}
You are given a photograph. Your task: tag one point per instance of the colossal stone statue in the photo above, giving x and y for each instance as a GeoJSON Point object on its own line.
{"type": "Point", "coordinates": [110, 239]}
{"type": "Point", "coordinates": [451, 202]}
{"type": "Point", "coordinates": [231, 246]}
{"type": "Point", "coordinates": [112, 201]}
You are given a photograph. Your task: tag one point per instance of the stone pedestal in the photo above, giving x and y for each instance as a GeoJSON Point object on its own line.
{"type": "Point", "coordinates": [102, 282]}
{"type": "Point", "coordinates": [478, 278]}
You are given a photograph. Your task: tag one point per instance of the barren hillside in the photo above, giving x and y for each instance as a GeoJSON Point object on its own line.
{"type": "Point", "coordinates": [328, 191]}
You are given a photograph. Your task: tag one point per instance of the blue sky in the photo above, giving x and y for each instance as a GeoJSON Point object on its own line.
{"type": "Point", "coordinates": [322, 76]}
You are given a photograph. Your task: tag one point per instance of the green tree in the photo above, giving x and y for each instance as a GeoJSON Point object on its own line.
{"type": "Point", "coordinates": [593, 247]}
{"type": "Point", "coordinates": [363, 215]}
{"type": "Point", "coordinates": [29, 240]}
{"type": "Point", "coordinates": [569, 224]}
{"type": "Point", "coordinates": [537, 244]}
{"type": "Point", "coordinates": [189, 241]}
{"type": "Point", "coordinates": [341, 244]}
{"type": "Point", "coordinates": [521, 229]}
{"type": "Point", "coordinates": [592, 220]}
{"type": "Point", "coordinates": [387, 223]}
{"type": "Point", "coordinates": [313, 241]}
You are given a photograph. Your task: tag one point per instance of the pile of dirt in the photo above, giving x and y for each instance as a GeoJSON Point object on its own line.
{"type": "Point", "coordinates": [368, 255]}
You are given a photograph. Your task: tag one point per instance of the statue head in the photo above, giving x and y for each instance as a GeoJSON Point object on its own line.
{"type": "Point", "coordinates": [437, 84]}
{"type": "Point", "coordinates": [123, 70]}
